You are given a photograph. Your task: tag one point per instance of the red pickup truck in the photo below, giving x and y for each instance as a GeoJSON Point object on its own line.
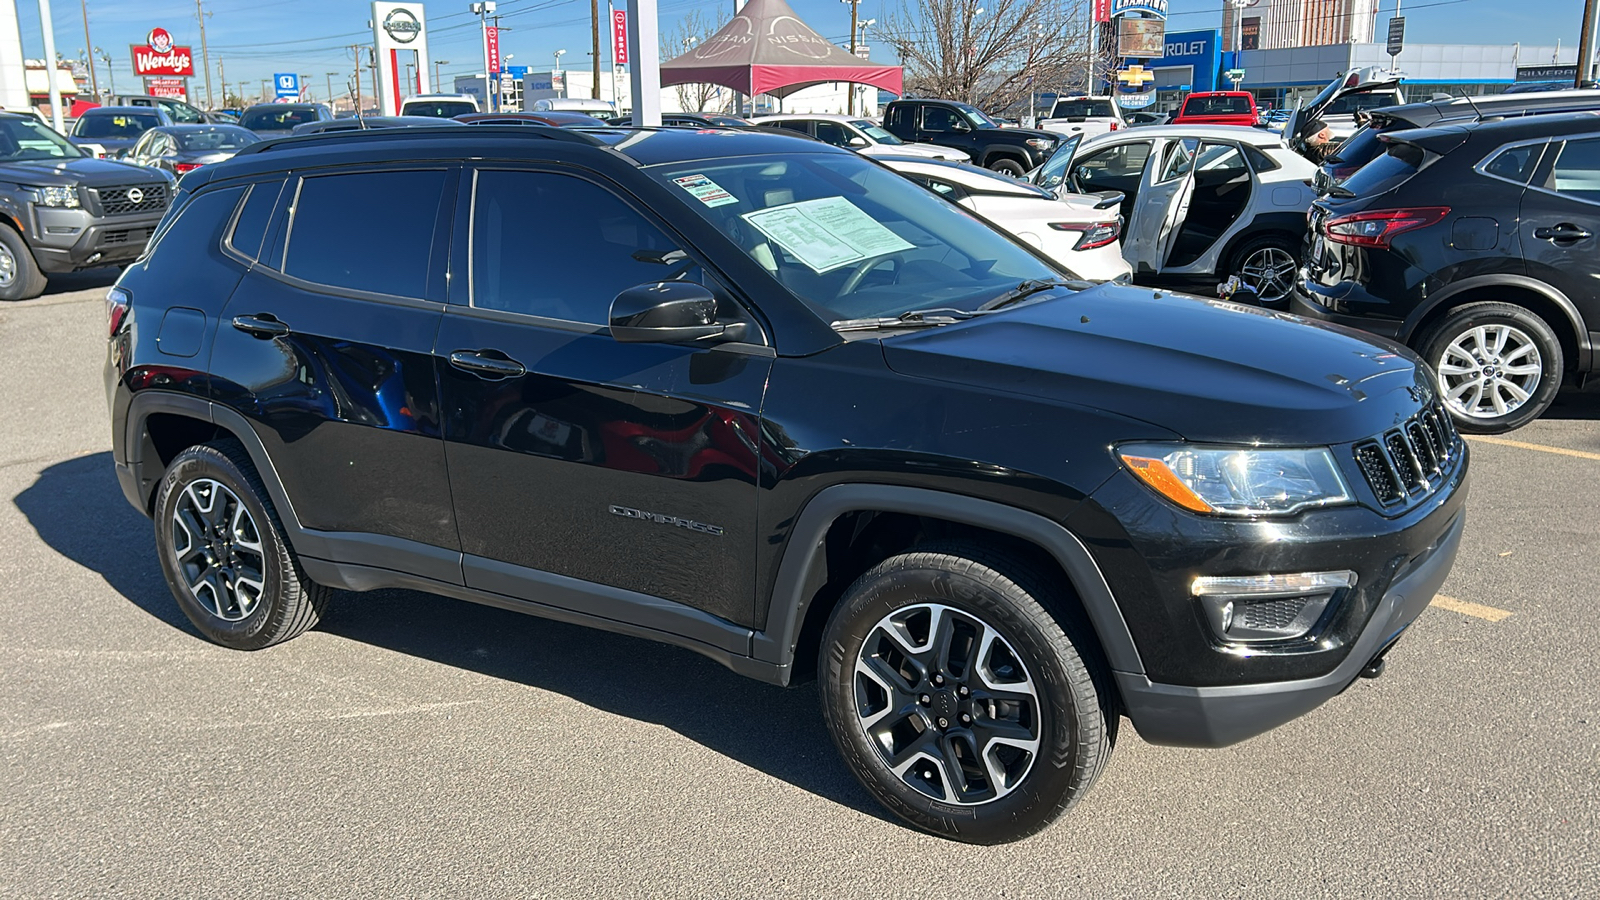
{"type": "Point", "coordinates": [1218, 108]}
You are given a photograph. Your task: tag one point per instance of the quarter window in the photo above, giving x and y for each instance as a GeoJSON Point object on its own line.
{"type": "Point", "coordinates": [571, 272]}
{"type": "Point", "coordinates": [251, 225]}
{"type": "Point", "coordinates": [1577, 170]}
{"type": "Point", "coordinates": [366, 231]}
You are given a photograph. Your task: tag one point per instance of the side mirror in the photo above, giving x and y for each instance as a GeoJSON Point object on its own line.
{"type": "Point", "coordinates": [960, 127]}
{"type": "Point", "coordinates": [668, 312]}
{"type": "Point", "coordinates": [858, 141]}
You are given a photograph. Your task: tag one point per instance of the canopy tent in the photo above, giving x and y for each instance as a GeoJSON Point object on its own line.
{"type": "Point", "coordinates": [766, 49]}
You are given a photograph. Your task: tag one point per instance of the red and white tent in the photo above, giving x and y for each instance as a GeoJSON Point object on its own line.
{"type": "Point", "coordinates": [766, 49]}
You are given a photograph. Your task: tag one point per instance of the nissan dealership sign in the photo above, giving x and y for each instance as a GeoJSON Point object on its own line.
{"type": "Point", "coordinates": [158, 56]}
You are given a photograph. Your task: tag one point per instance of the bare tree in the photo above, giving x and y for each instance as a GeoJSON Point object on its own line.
{"type": "Point", "coordinates": [992, 53]}
{"type": "Point", "coordinates": [690, 31]}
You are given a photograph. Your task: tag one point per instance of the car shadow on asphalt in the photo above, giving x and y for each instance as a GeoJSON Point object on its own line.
{"type": "Point", "coordinates": [78, 510]}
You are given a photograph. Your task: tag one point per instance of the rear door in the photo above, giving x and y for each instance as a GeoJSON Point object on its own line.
{"type": "Point", "coordinates": [1561, 222]}
{"type": "Point", "coordinates": [1162, 203]}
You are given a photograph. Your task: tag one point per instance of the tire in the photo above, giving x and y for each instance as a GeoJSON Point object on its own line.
{"type": "Point", "coordinates": [20, 278]}
{"type": "Point", "coordinates": [1270, 258]}
{"type": "Point", "coordinates": [1007, 166]}
{"type": "Point", "coordinates": [1045, 687]}
{"type": "Point", "coordinates": [239, 593]}
{"type": "Point", "coordinates": [1497, 366]}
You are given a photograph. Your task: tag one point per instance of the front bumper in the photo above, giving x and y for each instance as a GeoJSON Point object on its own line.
{"type": "Point", "coordinates": [1218, 716]}
{"type": "Point", "coordinates": [65, 240]}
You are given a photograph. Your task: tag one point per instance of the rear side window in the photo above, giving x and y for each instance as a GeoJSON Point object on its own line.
{"type": "Point", "coordinates": [1515, 164]}
{"type": "Point", "coordinates": [1576, 173]}
{"type": "Point", "coordinates": [1388, 171]}
{"type": "Point", "coordinates": [366, 231]}
{"type": "Point", "coordinates": [251, 225]}
{"type": "Point", "coordinates": [1259, 160]}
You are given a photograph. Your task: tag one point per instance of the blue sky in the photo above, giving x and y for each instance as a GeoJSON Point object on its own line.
{"type": "Point", "coordinates": [255, 38]}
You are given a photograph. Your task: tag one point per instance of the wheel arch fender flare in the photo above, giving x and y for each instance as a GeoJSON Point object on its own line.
{"type": "Point", "coordinates": [1426, 313]}
{"type": "Point", "coordinates": [804, 558]}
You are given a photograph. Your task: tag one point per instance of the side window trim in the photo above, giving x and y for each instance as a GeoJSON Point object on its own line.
{"type": "Point", "coordinates": [1544, 164]}
{"type": "Point", "coordinates": [467, 306]}
{"type": "Point", "coordinates": [233, 222]}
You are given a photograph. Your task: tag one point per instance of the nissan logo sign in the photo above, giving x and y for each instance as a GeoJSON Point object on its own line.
{"type": "Point", "coordinates": [402, 25]}
{"type": "Point", "coordinates": [135, 195]}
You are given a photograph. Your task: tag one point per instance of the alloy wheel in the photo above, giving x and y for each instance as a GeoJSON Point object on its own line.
{"type": "Point", "coordinates": [8, 266]}
{"type": "Point", "coordinates": [1489, 371]}
{"type": "Point", "coordinates": [1270, 272]}
{"type": "Point", "coordinates": [948, 704]}
{"type": "Point", "coordinates": [218, 548]}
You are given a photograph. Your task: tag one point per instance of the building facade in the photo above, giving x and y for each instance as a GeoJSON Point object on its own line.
{"type": "Point", "coordinates": [1286, 24]}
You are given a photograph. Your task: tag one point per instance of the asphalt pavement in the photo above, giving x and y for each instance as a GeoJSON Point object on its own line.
{"type": "Point", "coordinates": [419, 746]}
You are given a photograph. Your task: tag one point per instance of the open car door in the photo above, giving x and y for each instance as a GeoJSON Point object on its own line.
{"type": "Point", "coordinates": [1052, 176]}
{"type": "Point", "coordinates": [1356, 81]}
{"type": "Point", "coordinates": [1161, 206]}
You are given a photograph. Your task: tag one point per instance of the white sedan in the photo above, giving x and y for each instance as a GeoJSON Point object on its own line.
{"type": "Point", "coordinates": [856, 133]}
{"type": "Point", "coordinates": [1079, 231]}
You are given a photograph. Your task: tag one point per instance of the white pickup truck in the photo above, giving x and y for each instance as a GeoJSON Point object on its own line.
{"type": "Point", "coordinates": [1084, 115]}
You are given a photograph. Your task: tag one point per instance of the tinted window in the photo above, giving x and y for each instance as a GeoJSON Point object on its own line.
{"type": "Point", "coordinates": [273, 118]}
{"type": "Point", "coordinates": [833, 133]}
{"type": "Point", "coordinates": [116, 126]}
{"type": "Point", "coordinates": [251, 226]}
{"type": "Point", "coordinates": [1362, 147]}
{"type": "Point", "coordinates": [216, 137]}
{"type": "Point", "coordinates": [1071, 109]}
{"type": "Point", "coordinates": [899, 117]}
{"type": "Point", "coordinates": [367, 231]}
{"type": "Point", "coordinates": [572, 272]}
{"type": "Point", "coordinates": [1387, 172]}
{"type": "Point", "coordinates": [198, 224]}
{"type": "Point", "coordinates": [1577, 170]}
{"type": "Point", "coordinates": [937, 118]}
{"type": "Point", "coordinates": [438, 109]}
{"type": "Point", "coordinates": [1259, 160]}
{"type": "Point", "coordinates": [1121, 161]}
{"type": "Point", "coordinates": [1515, 163]}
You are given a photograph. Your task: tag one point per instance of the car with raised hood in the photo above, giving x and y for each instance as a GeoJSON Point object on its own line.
{"type": "Point", "coordinates": [856, 133]}
{"type": "Point", "coordinates": [964, 127]}
{"type": "Point", "coordinates": [1076, 230]}
{"type": "Point", "coordinates": [113, 130]}
{"type": "Point", "coordinates": [1202, 203]}
{"type": "Point", "coordinates": [769, 401]}
{"type": "Point", "coordinates": [180, 149]}
{"type": "Point", "coordinates": [1084, 115]}
{"type": "Point", "coordinates": [1475, 244]}
{"type": "Point", "coordinates": [62, 210]}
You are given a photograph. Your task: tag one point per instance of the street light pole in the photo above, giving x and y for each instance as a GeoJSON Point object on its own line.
{"type": "Point", "coordinates": [111, 72]}
{"type": "Point", "coordinates": [205, 56]}
{"type": "Point", "coordinates": [436, 64]}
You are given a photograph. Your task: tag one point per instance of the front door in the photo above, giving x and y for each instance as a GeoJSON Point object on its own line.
{"type": "Point", "coordinates": [1560, 230]}
{"type": "Point", "coordinates": [1164, 191]}
{"type": "Point", "coordinates": [629, 465]}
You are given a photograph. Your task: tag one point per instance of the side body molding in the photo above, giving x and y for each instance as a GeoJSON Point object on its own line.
{"type": "Point", "coordinates": [803, 562]}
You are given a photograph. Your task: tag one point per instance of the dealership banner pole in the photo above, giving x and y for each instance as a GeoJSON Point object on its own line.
{"type": "Point", "coordinates": [47, 25]}
{"type": "Point", "coordinates": [644, 66]}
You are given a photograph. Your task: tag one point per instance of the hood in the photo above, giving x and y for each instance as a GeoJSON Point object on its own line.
{"type": "Point", "coordinates": [87, 171]}
{"type": "Point", "coordinates": [1208, 370]}
{"type": "Point", "coordinates": [1022, 134]}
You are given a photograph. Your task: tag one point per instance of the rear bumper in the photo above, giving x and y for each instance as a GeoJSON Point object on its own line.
{"type": "Point", "coordinates": [1302, 304]}
{"type": "Point", "coordinates": [1177, 715]}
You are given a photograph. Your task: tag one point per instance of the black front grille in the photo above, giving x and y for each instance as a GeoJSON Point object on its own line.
{"type": "Point", "coordinates": [1272, 615]}
{"type": "Point", "coordinates": [1409, 461]}
{"type": "Point", "coordinates": [118, 201]}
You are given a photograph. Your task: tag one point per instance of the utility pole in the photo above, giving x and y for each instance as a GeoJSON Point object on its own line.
{"type": "Point", "coordinates": [850, 101]}
{"type": "Point", "coordinates": [330, 88]}
{"type": "Point", "coordinates": [205, 56]}
{"type": "Point", "coordinates": [594, 22]}
{"type": "Point", "coordinates": [1586, 42]}
{"type": "Point", "coordinates": [94, 82]}
{"type": "Point", "coordinates": [222, 76]}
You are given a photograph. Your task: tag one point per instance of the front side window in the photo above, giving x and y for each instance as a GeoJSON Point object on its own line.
{"type": "Point", "coordinates": [571, 273]}
{"type": "Point", "coordinates": [386, 250]}
{"type": "Point", "coordinates": [1179, 159]}
{"type": "Point", "coordinates": [1577, 170]}
{"type": "Point", "coordinates": [833, 133]}
{"type": "Point", "coordinates": [937, 118]}
{"type": "Point", "coordinates": [849, 237]}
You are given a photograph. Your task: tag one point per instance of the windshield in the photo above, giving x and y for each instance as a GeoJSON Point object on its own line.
{"type": "Point", "coordinates": [1351, 103]}
{"type": "Point", "coordinates": [851, 238]}
{"type": "Point", "coordinates": [1083, 107]}
{"type": "Point", "coordinates": [876, 132]}
{"type": "Point", "coordinates": [976, 116]}
{"type": "Point", "coordinates": [220, 137]}
{"type": "Point", "coordinates": [437, 109]}
{"type": "Point", "coordinates": [269, 118]}
{"type": "Point", "coordinates": [116, 126]}
{"type": "Point", "coordinates": [22, 139]}
{"type": "Point", "coordinates": [1217, 106]}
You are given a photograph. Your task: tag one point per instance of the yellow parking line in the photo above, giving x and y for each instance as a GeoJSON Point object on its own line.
{"type": "Point", "coordinates": [1476, 610]}
{"type": "Point", "coordinates": [1581, 454]}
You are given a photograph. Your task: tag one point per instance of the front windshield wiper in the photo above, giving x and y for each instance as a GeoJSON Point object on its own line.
{"type": "Point", "coordinates": [1030, 287]}
{"type": "Point", "coordinates": [915, 318]}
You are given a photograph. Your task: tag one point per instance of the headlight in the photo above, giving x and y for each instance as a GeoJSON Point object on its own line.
{"type": "Point", "coordinates": [57, 196]}
{"type": "Point", "coordinates": [1041, 143]}
{"type": "Point", "coordinates": [1238, 481]}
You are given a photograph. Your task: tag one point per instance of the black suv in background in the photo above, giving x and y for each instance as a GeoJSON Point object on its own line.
{"type": "Point", "coordinates": [768, 400]}
{"type": "Point", "coordinates": [1476, 245]}
{"type": "Point", "coordinates": [948, 123]}
{"type": "Point", "coordinates": [61, 211]}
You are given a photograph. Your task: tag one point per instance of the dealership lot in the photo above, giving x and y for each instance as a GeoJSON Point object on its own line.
{"type": "Point", "coordinates": [418, 745]}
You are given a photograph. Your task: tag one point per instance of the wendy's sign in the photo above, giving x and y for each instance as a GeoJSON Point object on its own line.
{"type": "Point", "coordinates": [158, 56]}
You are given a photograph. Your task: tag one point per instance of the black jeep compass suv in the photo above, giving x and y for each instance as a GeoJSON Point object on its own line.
{"type": "Point", "coordinates": [767, 400]}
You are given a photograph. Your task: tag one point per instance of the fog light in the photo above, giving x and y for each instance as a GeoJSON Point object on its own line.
{"type": "Point", "coordinates": [1256, 608]}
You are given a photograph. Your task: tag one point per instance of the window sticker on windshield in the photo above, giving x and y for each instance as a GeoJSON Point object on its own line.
{"type": "Point", "coordinates": [705, 190]}
{"type": "Point", "coordinates": [826, 233]}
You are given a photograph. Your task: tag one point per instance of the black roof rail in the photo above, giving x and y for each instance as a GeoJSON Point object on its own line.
{"type": "Point", "coordinates": [374, 135]}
